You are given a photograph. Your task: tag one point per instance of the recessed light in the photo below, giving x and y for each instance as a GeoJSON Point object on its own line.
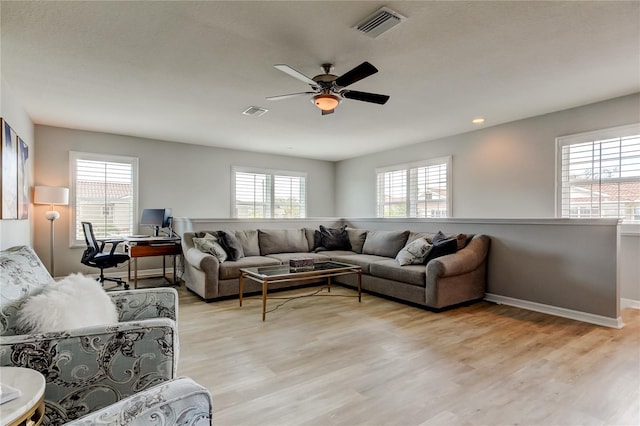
{"type": "Point", "coordinates": [478, 120]}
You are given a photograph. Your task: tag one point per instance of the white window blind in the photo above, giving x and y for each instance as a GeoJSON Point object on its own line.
{"type": "Point", "coordinates": [252, 195]}
{"type": "Point", "coordinates": [392, 193]}
{"type": "Point", "coordinates": [289, 197]}
{"type": "Point", "coordinates": [264, 194]}
{"type": "Point", "coordinates": [415, 190]}
{"type": "Point", "coordinates": [104, 192]}
{"type": "Point", "coordinates": [600, 174]}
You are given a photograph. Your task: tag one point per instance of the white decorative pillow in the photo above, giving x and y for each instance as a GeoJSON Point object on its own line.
{"type": "Point", "coordinates": [209, 244]}
{"type": "Point", "coordinates": [414, 253]}
{"type": "Point", "coordinates": [73, 302]}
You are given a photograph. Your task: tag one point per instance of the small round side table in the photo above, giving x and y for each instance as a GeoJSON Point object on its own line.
{"type": "Point", "coordinates": [28, 408]}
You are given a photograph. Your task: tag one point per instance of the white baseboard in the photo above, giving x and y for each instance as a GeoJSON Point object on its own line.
{"type": "Point", "coordinates": [554, 310]}
{"type": "Point", "coordinates": [629, 303]}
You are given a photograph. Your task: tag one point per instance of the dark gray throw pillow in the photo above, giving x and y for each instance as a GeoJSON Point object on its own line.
{"type": "Point", "coordinates": [317, 241]}
{"type": "Point", "coordinates": [442, 246]}
{"type": "Point", "coordinates": [332, 239]}
{"type": "Point", "coordinates": [231, 245]}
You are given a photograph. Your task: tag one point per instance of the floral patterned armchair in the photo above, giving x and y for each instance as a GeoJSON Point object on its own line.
{"type": "Point", "coordinates": [176, 402]}
{"type": "Point", "coordinates": [93, 367]}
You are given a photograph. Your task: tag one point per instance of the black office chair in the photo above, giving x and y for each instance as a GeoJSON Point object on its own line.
{"type": "Point", "coordinates": [94, 257]}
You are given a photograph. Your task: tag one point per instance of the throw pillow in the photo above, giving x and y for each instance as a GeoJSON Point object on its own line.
{"type": "Point", "coordinates": [357, 238]}
{"type": "Point", "coordinates": [231, 245]}
{"type": "Point", "coordinates": [334, 238]}
{"type": "Point", "coordinates": [209, 244]}
{"type": "Point", "coordinates": [442, 246]}
{"type": "Point", "coordinates": [414, 253]}
{"type": "Point", "coordinates": [317, 242]}
{"type": "Point", "coordinates": [73, 302]}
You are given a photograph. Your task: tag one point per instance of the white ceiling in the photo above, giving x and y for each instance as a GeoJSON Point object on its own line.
{"type": "Point", "coordinates": [185, 71]}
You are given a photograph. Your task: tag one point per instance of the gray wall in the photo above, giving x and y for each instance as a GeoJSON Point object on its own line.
{"type": "Point", "coordinates": [17, 232]}
{"type": "Point", "coordinates": [193, 180]}
{"type": "Point", "coordinates": [629, 261]}
{"type": "Point", "coordinates": [505, 171]}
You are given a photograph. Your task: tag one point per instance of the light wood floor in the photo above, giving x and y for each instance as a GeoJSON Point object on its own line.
{"type": "Point", "coordinates": [332, 361]}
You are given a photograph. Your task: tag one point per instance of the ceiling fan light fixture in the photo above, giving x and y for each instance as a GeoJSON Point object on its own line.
{"type": "Point", "coordinates": [326, 102]}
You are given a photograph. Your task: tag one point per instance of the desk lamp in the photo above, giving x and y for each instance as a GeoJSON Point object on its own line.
{"type": "Point", "coordinates": [51, 195]}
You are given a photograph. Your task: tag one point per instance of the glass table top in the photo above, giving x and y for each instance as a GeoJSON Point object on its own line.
{"type": "Point", "coordinates": [319, 267]}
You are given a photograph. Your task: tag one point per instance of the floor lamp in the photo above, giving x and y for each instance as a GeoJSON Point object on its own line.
{"type": "Point", "coordinates": [51, 195]}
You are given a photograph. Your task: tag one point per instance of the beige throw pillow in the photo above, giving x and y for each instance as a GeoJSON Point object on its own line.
{"type": "Point", "coordinates": [414, 253]}
{"type": "Point", "coordinates": [209, 244]}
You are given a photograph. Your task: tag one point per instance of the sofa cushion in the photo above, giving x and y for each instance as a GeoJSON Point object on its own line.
{"type": "Point", "coordinates": [332, 239]}
{"type": "Point", "coordinates": [361, 260]}
{"type": "Point", "coordinates": [209, 244]}
{"type": "Point", "coordinates": [249, 241]}
{"type": "Point", "coordinates": [357, 238]}
{"type": "Point", "coordinates": [231, 245]}
{"type": "Point", "coordinates": [414, 253]}
{"type": "Point", "coordinates": [442, 246]}
{"type": "Point", "coordinates": [285, 257]}
{"type": "Point", "coordinates": [390, 269]}
{"type": "Point", "coordinates": [332, 254]}
{"type": "Point", "coordinates": [230, 270]}
{"type": "Point", "coordinates": [282, 241]}
{"type": "Point", "coordinates": [384, 243]}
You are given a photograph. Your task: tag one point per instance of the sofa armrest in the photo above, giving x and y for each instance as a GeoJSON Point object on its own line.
{"type": "Point", "coordinates": [179, 401]}
{"type": "Point", "coordinates": [463, 261]}
{"type": "Point", "coordinates": [89, 368]}
{"type": "Point", "coordinates": [134, 305]}
{"type": "Point", "coordinates": [203, 261]}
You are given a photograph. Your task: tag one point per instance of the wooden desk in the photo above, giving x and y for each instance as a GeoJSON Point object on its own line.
{"type": "Point", "coordinates": [148, 247]}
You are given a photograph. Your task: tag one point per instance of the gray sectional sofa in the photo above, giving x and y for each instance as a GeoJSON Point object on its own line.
{"type": "Point", "coordinates": [440, 282]}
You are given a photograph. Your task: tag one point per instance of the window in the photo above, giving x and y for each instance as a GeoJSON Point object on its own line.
{"type": "Point", "coordinates": [104, 192]}
{"type": "Point", "coordinates": [415, 190]}
{"type": "Point", "coordinates": [263, 194]}
{"type": "Point", "coordinates": [600, 174]}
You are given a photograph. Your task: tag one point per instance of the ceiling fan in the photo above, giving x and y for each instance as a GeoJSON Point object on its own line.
{"type": "Point", "coordinates": [329, 90]}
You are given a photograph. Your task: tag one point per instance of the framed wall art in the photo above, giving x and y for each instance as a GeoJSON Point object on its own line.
{"type": "Point", "coordinates": [9, 187]}
{"type": "Point", "coordinates": [23, 180]}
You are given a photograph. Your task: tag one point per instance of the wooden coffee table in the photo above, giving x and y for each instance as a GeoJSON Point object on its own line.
{"type": "Point", "coordinates": [283, 273]}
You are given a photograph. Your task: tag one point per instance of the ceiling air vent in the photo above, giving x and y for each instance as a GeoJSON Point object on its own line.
{"type": "Point", "coordinates": [380, 22]}
{"type": "Point", "coordinates": [255, 111]}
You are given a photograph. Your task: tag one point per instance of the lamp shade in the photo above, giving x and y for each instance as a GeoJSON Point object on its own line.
{"type": "Point", "coordinates": [51, 195]}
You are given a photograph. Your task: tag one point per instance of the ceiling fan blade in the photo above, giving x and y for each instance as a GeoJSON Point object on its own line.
{"type": "Point", "coordinates": [290, 95]}
{"type": "Point", "coordinates": [365, 97]}
{"type": "Point", "coordinates": [331, 111]}
{"type": "Point", "coordinates": [294, 73]}
{"type": "Point", "coordinates": [363, 70]}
